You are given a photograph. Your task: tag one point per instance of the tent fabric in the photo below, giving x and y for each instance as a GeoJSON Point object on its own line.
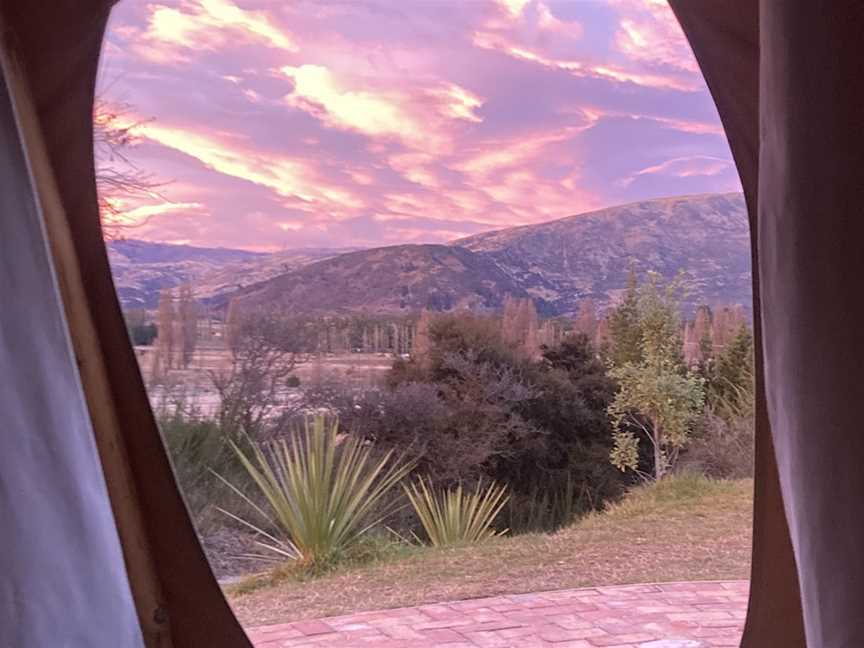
{"type": "Point", "coordinates": [724, 35]}
{"type": "Point", "coordinates": [811, 193]}
{"type": "Point", "coordinates": [61, 556]}
{"type": "Point", "coordinates": [53, 48]}
{"type": "Point", "coordinates": [788, 80]}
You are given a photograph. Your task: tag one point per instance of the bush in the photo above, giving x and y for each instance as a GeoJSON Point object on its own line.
{"type": "Point", "coordinates": [473, 409]}
{"type": "Point", "coordinates": [322, 492]}
{"type": "Point", "coordinates": [455, 516]}
{"type": "Point", "coordinates": [198, 448]}
{"type": "Point", "coordinates": [546, 509]}
{"type": "Point", "coordinates": [143, 334]}
{"type": "Point", "coordinates": [723, 447]}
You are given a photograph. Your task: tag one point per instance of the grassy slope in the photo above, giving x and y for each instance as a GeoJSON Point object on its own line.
{"type": "Point", "coordinates": [684, 529]}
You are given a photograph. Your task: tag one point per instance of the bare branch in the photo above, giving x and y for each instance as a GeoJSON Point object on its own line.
{"type": "Point", "coordinates": [117, 177]}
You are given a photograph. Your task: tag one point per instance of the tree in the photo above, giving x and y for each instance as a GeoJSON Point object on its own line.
{"type": "Point", "coordinates": [586, 318]}
{"type": "Point", "coordinates": [729, 377]}
{"type": "Point", "coordinates": [422, 344]}
{"type": "Point", "coordinates": [142, 332]}
{"type": "Point", "coordinates": [188, 311]}
{"type": "Point", "coordinates": [232, 325]}
{"type": "Point", "coordinates": [117, 177]}
{"type": "Point", "coordinates": [658, 398]}
{"type": "Point", "coordinates": [166, 341]}
{"type": "Point", "coordinates": [520, 326]}
{"type": "Point", "coordinates": [625, 334]}
{"type": "Point", "coordinates": [698, 344]}
{"type": "Point", "coordinates": [253, 391]}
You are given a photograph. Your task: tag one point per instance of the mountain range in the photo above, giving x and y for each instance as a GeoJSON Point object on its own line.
{"type": "Point", "coordinates": [557, 263]}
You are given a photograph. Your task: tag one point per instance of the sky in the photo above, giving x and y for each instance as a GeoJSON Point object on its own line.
{"type": "Point", "coordinates": [331, 123]}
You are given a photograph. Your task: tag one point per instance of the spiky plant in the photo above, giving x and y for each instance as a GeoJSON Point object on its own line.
{"type": "Point", "coordinates": [455, 516]}
{"type": "Point", "coordinates": [323, 491]}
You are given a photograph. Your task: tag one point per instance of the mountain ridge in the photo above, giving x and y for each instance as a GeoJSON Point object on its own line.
{"type": "Point", "coordinates": [557, 263]}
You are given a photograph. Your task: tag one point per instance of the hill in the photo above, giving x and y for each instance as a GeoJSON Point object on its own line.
{"type": "Point", "coordinates": [558, 263]}
{"type": "Point", "coordinates": [141, 269]}
{"type": "Point", "coordinates": [589, 255]}
{"type": "Point", "coordinates": [401, 278]}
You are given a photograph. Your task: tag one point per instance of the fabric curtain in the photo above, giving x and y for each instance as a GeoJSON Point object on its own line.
{"type": "Point", "coordinates": [61, 562]}
{"type": "Point", "coordinates": [53, 47]}
{"type": "Point", "coordinates": [788, 80]}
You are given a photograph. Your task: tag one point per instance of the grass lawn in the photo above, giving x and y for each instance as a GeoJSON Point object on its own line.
{"type": "Point", "coordinates": [687, 528]}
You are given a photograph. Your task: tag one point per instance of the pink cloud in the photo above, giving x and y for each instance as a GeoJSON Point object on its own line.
{"type": "Point", "coordinates": [199, 25]}
{"type": "Point", "coordinates": [418, 117]}
{"type": "Point", "coordinates": [649, 33]}
{"type": "Point", "coordinates": [612, 72]}
{"type": "Point", "coordinates": [320, 123]}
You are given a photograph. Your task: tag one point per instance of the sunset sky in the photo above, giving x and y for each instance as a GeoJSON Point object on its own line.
{"type": "Point", "coordinates": [279, 124]}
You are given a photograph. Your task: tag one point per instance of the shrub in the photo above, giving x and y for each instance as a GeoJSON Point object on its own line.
{"type": "Point", "coordinates": [143, 334]}
{"type": "Point", "coordinates": [723, 447]}
{"type": "Point", "coordinates": [472, 409]}
{"type": "Point", "coordinates": [454, 516]}
{"type": "Point", "coordinates": [723, 444]}
{"type": "Point", "coordinates": [323, 491]}
{"type": "Point", "coordinates": [546, 509]}
{"type": "Point", "coordinates": [198, 449]}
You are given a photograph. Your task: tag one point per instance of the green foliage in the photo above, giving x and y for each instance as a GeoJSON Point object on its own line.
{"type": "Point", "coordinates": [729, 377]}
{"type": "Point", "coordinates": [668, 495]}
{"type": "Point", "coordinates": [143, 334]}
{"type": "Point", "coordinates": [546, 509]}
{"type": "Point", "coordinates": [659, 402]}
{"type": "Point", "coordinates": [723, 443]}
{"type": "Point", "coordinates": [475, 409]}
{"type": "Point", "coordinates": [625, 331]}
{"type": "Point", "coordinates": [198, 449]}
{"type": "Point", "coordinates": [454, 516]}
{"type": "Point", "coordinates": [658, 399]}
{"type": "Point", "coordinates": [322, 490]}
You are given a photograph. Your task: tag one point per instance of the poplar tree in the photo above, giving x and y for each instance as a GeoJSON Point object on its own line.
{"type": "Point", "coordinates": [422, 345]}
{"type": "Point", "coordinates": [166, 341]}
{"type": "Point", "coordinates": [188, 324]}
{"type": "Point", "coordinates": [625, 335]}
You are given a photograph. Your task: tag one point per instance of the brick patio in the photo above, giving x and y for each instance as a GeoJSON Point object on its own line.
{"type": "Point", "coordinates": [672, 615]}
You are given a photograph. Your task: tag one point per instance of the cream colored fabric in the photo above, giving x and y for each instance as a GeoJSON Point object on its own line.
{"type": "Point", "coordinates": [55, 46]}
{"type": "Point", "coordinates": [62, 575]}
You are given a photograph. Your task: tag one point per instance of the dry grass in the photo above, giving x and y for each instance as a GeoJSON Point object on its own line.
{"type": "Point", "coordinates": [688, 528]}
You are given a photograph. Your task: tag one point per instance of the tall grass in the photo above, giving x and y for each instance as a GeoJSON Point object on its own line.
{"type": "Point", "coordinates": [454, 516]}
{"type": "Point", "coordinates": [199, 449]}
{"type": "Point", "coordinates": [322, 491]}
{"type": "Point", "coordinates": [546, 509]}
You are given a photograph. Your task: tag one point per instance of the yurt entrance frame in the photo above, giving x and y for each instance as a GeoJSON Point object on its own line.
{"type": "Point", "coordinates": [788, 81]}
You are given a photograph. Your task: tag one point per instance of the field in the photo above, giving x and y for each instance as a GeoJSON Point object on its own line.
{"type": "Point", "coordinates": [686, 528]}
{"type": "Point", "coordinates": [194, 387]}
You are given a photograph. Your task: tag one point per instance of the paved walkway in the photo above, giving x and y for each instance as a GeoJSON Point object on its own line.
{"type": "Point", "coordinates": [673, 615]}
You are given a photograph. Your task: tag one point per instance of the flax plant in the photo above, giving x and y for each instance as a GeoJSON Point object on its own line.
{"type": "Point", "coordinates": [323, 491]}
{"type": "Point", "coordinates": [454, 516]}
